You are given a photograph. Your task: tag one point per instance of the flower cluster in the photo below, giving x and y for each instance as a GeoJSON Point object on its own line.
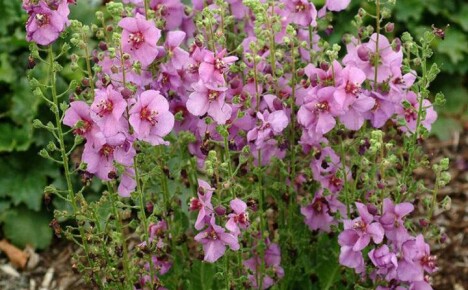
{"type": "Point", "coordinates": [47, 19]}
{"type": "Point", "coordinates": [396, 257]}
{"type": "Point", "coordinates": [214, 238]}
{"type": "Point", "coordinates": [277, 91]}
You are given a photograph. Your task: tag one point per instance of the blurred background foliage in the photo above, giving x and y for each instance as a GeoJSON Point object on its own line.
{"type": "Point", "coordinates": [24, 217]}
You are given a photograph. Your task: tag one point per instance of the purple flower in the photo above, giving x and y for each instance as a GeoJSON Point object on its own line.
{"type": "Point", "coordinates": [385, 261]}
{"type": "Point", "coordinates": [127, 182]}
{"type": "Point", "coordinates": [272, 259]}
{"type": "Point", "coordinates": [392, 220]}
{"type": "Point", "coordinates": [45, 23]}
{"type": "Point", "coordinates": [319, 213]}
{"type": "Point", "coordinates": [208, 98]}
{"type": "Point", "coordinates": [150, 118]}
{"type": "Point", "coordinates": [416, 260]}
{"type": "Point", "coordinates": [364, 57]}
{"type": "Point", "coordinates": [318, 113]}
{"type": "Point", "coordinates": [171, 11]}
{"type": "Point", "coordinates": [214, 66]}
{"type": "Point", "coordinates": [78, 116]}
{"type": "Point", "coordinates": [337, 5]}
{"type": "Point", "coordinates": [179, 57]}
{"type": "Point", "coordinates": [410, 114]}
{"type": "Point", "coordinates": [239, 218]}
{"type": "Point", "coordinates": [202, 203]}
{"type": "Point", "coordinates": [100, 155]}
{"type": "Point", "coordinates": [301, 12]}
{"type": "Point", "coordinates": [139, 38]}
{"type": "Point", "coordinates": [356, 236]}
{"type": "Point", "coordinates": [271, 124]}
{"type": "Point", "coordinates": [214, 240]}
{"type": "Point", "coordinates": [108, 108]}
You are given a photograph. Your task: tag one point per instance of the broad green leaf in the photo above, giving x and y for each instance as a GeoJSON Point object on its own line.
{"type": "Point", "coordinates": [14, 138]}
{"type": "Point", "coordinates": [26, 227]}
{"type": "Point", "coordinates": [454, 45]}
{"type": "Point", "coordinates": [444, 128]}
{"type": "Point", "coordinates": [7, 73]}
{"type": "Point", "coordinates": [23, 104]}
{"type": "Point", "coordinates": [24, 177]}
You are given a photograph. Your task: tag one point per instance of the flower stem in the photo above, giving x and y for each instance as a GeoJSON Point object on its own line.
{"type": "Point", "coordinates": [71, 194]}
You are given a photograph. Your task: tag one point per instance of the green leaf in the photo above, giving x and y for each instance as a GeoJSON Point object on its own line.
{"type": "Point", "coordinates": [14, 138]}
{"type": "Point", "coordinates": [444, 128]}
{"type": "Point", "coordinates": [461, 17]}
{"type": "Point", "coordinates": [202, 276]}
{"type": "Point", "coordinates": [24, 178]}
{"type": "Point", "coordinates": [454, 45]}
{"type": "Point", "coordinates": [24, 104]}
{"type": "Point", "coordinates": [328, 270]}
{"type": "Point", "coordinates": [7, 73]}
{"type": "Point", "coordinates": [409, 9]}
{"type": "Point", "coordinates": [26, 227]}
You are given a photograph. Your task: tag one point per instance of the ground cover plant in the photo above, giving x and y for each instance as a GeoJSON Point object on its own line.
{"type": "Point", "coordinates": [235, 147]}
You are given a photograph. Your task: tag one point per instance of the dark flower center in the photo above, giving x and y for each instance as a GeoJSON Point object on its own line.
{"type": "Point", "coordinates": [195, 204]}
{"type": "Point", "coordinates": [42, 19]}
{"type": "Point", "coordinates": [322, 106]}
{"type": "Point", "coordinates": [106, 150]}
{"type": "Point", "coordinates": [136, 39]}
{"type": "Point", "coordinates": [148, 115]}
{"type": "Point", "coordinates": [105, 107]}
{"type": "Point", "coordinates": [351, 88]}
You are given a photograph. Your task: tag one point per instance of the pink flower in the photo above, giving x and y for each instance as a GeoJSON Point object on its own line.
{"type": "Point", "coordinates": [214, 66]}
{"type": "Point", "coordinates": [240, 218]}
{"type": "Point", "coordinates": [319, 213]}
{"type": "Point", "coordinates": [202, 203]}
{"type": "Point", "coordinates": [108, 107]}
{"type": "Point", "coordinates": [271, 124]}
{"type": "Point", "coordinates": [301, 12]}
{"type": "Point", "coordinates": [208, 98]}
{"type": "Point", "coordinates": [318, 113]}
{"type": "Point", "coordinates": [392, 220]}
{"type": "Point", "coordinates": [127, 182]}
{"type": "Point", "coordinates": [150, 118]}
{"type": "Point", "coordinates": [179, 57]}
{"type": "Point", "coordinates": [410, 114]}
{"type": "Point", "coordinates": [171, 11]}
{"type": "Point", "coordinates": [215, 240]}
{"type": "Point", "coordinates": [337, 5]}
{"type": "Point", "coordinates": [45, 24]}
{"type": "Point", "coordinates": [139, 38]}
{"type": "Point", "coordinates": [78, 116]}
{"type": "Point", "coordinates": [416, 260]}
{"type": "Point", "coordinates": [100, 155]}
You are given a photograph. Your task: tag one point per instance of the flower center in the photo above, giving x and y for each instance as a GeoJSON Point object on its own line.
{"type": "Point", "coordinates": [429, 261]}
{"type": "Point", "coordinates": [351, 88]}
{"type": "Point", "coordinates": [106, 150]}
{"type": "Point", "coordinates": [360, 225]}
{"type": "Point", "coordinates": [220, 64]}
{"type": "Point", "coordinates": [84, 128]}
{"type": "Point", "coordinates": [213, 235]}
{"type": "Point", "coordinates": [213, 95]}
{"type": "Point", "coordinates": [300, 7]}
{"type": "Point", "coordinates": [148, 115]}
{"type": "Point", "coordinates": [410, 114]}
{"type": "Point", "coordinates": [322, 106]}
{"type": "Point", "coordinates": [136, 39]}
{"type": "Point", "coordinates": [42, 19]}
{"type": "Point", "coordinates": [105, 107]}
{"type": "Point", "coordinates": [195, 204]}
